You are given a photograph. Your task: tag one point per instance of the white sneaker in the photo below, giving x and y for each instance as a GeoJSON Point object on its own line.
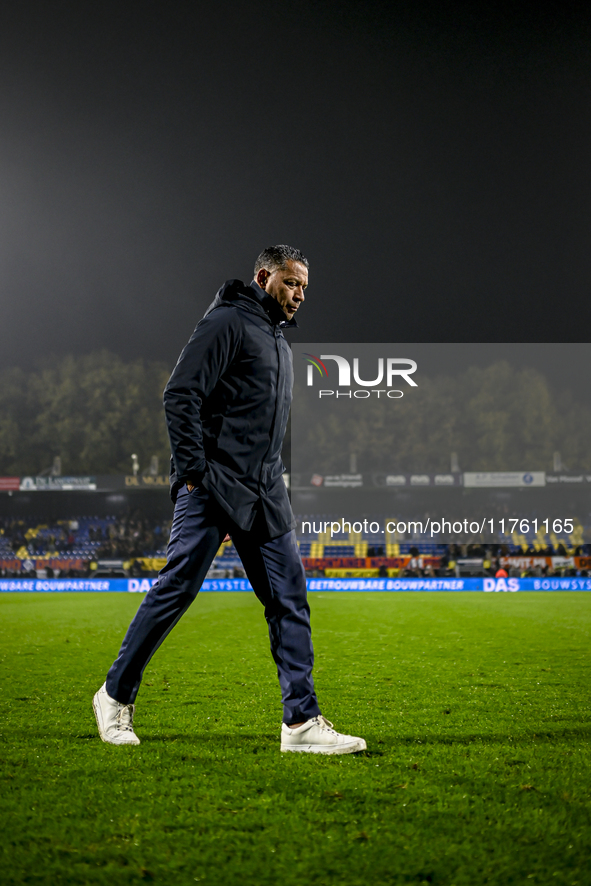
{"type": "Point", "coordinates": [317, 736]}
{"type": "Point", "coordinates": [114, 720]}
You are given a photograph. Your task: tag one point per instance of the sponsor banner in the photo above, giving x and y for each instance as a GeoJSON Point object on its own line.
{"type": "Point", "coordinates": [141, 585]}
{"type": "Point", "coordinates": [566, 479]}
{"type": "Point", "coordinates": [393, 481]}
{"type": "Point", "coordinates": [115, 482]}
{"type": "Point", "coordinates": [10, 484]}
{"type": "Point", "coordinates": [155, 564]}
{"type": "Point", "coordinates": [352, 573]}
{"type": "Point", "coordinates": [380, 480]}
{"type": "Point", "coordinates": [147, 481]}
{"type": "Point", "coordinates": [522, 479]}
{"type": "Point", "coordinates": [482, 479]}
{"type": "Point", "coordinates": [46, 484]}
{"type": "Point", "coordinates": [367, 562]}
{"type": "Point", "coordinates": [531, 562]}
{"type": "Point", "coordinates": [11, 565]}
{"type": "Point", "coordinates": [99, 483]}
{"type": "Point", "coordinates": [122, 585]}
{"type": "Point", "coordinates": [519, 562]}
{"type": "Point", "coordinates": [345, 481]}
{"type": "Point", "coordinates": [59, 584]}
{"type": "Point", "coordinates": [490, 585]}
{"type": "Point", "coordinates": [334, 562]}
{"type": "Point", "coordinates": [61, 563]}
{"type": "Point", "coordinates": [335, 481]}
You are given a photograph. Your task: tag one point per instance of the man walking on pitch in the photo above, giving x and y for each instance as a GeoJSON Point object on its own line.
{"type": "Point", "coordinates": [226, 404]}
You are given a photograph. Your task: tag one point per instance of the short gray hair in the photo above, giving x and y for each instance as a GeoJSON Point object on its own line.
{"type": "Point", "coordinates": [275, 258]}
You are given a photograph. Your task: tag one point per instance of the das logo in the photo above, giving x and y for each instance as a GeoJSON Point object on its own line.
{"type": "Point", "coordinates": [501, 584]}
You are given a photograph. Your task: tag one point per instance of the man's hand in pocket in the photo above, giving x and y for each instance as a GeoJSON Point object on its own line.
{"type": "Point", "coordinates": [190, 487]}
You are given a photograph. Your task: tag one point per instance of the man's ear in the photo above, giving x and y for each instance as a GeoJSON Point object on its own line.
{"type": "Point", "coordinates": [262, 277]}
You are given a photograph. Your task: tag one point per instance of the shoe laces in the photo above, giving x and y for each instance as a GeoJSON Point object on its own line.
{"type": "Point", "coordinates": [325, 724]}
{"type": "Point", "coordinates": [124, 718]}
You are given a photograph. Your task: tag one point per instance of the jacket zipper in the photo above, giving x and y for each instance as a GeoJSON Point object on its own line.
{"type": "Point", "coordinates": [277, 335]}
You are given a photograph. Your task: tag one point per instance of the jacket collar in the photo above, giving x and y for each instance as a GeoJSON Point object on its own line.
{"type": "Point", "coordinates": [233, 290]}
{"type": "Point", "coordinates": [272, 308]}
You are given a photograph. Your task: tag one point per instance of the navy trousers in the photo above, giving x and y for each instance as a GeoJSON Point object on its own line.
{"type": "Point", "coordinates": [276, 573]}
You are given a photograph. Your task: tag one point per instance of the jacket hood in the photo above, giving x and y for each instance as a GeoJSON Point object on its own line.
{"type": "Point", "coordinates": [252, 298]}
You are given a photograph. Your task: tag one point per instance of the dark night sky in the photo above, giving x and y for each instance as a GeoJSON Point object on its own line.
{"type": "Point", "coordinates": [431, 161]}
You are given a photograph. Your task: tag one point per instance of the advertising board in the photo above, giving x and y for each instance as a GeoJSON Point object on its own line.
{"type": "Point", "coordinates": [141, 586]}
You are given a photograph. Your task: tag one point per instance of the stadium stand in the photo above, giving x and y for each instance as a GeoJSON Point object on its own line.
{"type": "Point", "coordinates": [136, 545]}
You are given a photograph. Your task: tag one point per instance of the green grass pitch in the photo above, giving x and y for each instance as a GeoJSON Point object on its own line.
{"type": "Point", "coordinates": [475, 708]}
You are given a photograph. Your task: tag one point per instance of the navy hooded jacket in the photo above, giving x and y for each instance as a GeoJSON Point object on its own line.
{"type": "Point", "coordinates": [227, 403]}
